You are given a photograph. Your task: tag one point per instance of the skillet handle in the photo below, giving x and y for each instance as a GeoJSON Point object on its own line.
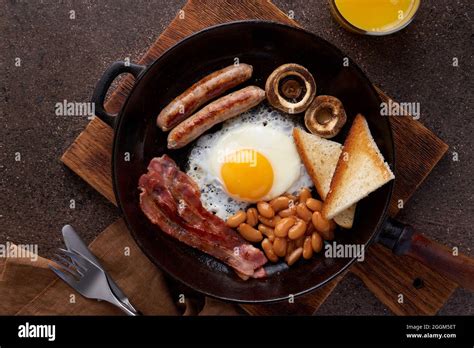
{"type": "Point", "coordinates": [103, 85]}
{"type": "Point", "coordinates": [403, 240]}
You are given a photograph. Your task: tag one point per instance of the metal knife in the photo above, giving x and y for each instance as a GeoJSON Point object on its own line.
{"type": "Point", "coordinates": [75, 243]}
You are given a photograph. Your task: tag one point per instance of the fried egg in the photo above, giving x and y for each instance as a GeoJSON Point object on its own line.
{"type": "Point", "coordinates": [252, 158]}
{"type": "Point", "coordinates": [254, 162]}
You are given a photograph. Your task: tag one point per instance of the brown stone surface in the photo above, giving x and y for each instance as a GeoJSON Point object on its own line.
{"type": "Point", "coordinates": [62, 58]}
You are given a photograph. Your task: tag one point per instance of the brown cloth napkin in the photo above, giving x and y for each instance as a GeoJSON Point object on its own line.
{"type": "Point", "coordinates": [29, 287]}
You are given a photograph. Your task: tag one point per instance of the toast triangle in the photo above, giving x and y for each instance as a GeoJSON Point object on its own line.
{"type": "Point", "coordinates": [361, 169]}
{"type": "Point", "coordinates": [320, 158]}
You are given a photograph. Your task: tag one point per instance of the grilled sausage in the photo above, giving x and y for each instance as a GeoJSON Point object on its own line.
{"type": "Point", "coordinates": [218, 111]}
{"type": "Point", "coordinates": [201, 92]}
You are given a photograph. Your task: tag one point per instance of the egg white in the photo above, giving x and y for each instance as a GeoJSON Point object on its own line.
{"type": "Point", "coordinates": [263, 129]}
{"type": "Point", "coordinates": [277, 148]}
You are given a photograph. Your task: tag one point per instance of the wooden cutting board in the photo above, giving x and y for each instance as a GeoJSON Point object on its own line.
{"type": "Point", "coordinates": [389, 277]}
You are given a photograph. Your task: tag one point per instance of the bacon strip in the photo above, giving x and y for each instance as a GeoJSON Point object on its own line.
{"type": "Point", "coordinates": [171, 200]}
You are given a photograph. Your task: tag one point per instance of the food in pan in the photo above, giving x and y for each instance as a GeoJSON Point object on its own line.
{"type": "Point", "coordinates": [359, 172]}
{"type": "Point", "coordinates": [290, 88]}
{"type": "Point", "coordinates": [320, 157]}
{"type": "Point", "coordinates": [251, 158]}
{"type": "Point", "coordinates": [218, 111]}
{"type": "Point", "coordinates": [171, 200]}
{"type": "Point", "coordinates": [325, 116]}
{"type": "Point", "coordinates": [201, 92]}
{"type": "Point", "coordinates": [288, 227]}
{"type": "Point", "coordinates": [250, 181]}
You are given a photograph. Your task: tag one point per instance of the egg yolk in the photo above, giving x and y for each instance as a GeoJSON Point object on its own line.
{"type": "Point", "coordinates": [247, 174]}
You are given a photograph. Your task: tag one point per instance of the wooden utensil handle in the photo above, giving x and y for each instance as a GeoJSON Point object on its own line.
{"type": "Point", "coordinates": [457, 267]}
{"type": "Point", "coordinates": [403, 240]}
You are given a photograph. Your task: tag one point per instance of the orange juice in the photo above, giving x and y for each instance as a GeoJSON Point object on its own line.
{"type": "Point", "coordinates": [377, 17]}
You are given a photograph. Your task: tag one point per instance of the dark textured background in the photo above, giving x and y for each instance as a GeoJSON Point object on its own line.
{"type": "Point", "coordinates": [63, 58]}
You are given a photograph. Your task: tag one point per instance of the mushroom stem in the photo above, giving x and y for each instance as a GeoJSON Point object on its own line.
{"type": "Point", "coordinates": [290, 88]}
{"type": "Point", "coordinates": [325, 116]}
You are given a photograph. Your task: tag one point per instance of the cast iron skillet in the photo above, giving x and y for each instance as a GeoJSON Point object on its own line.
{"type": "Point", "coordinates": [137, 140]}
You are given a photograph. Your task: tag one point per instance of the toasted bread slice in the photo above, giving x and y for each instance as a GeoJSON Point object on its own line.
{"type": "Point", "coordinates": [320, 158]}
{"type": "Point", "coordinates": [361, 169]}
{"type": "Point", "coordinates": [346, 217]}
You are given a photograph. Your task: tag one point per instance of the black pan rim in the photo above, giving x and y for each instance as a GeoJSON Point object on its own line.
{"type": "Point", "coordinates": [117, 127]}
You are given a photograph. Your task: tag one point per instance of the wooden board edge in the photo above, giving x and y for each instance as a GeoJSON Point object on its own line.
{"type": "Point", "coordinates": [440, 142]}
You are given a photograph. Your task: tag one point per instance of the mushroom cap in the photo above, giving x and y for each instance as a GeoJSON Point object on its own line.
{"type": "Point", "coordinates": [325, 116]}
{"type": "Point", "coordinates": [290, 88]}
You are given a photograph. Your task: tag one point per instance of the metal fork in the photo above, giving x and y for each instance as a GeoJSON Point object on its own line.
{"type": "Point", "coordinates": [86, 278]}
{"type": "Point", "coordinates": [75, 243]}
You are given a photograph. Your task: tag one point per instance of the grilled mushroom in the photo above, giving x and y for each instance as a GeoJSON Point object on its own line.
{"type": "Point", "coordinates": [325, 116]}
{"type": "Point", "coordinates": [290, 88]}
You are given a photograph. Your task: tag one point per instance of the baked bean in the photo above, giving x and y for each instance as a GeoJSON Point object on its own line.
{"type": "Point", "coordinates": [310, 229]}
{"type": "Point", "coordinates": [320, 223]}
{"type": "Point", "coordinates": [269, 222]}
{"type": "Point", "coordinates": [291, 197]}
{"type": "Point", "coordinates": [279, 246]}
{"type": "Point", "coordinates": [236, 219]}
{"type": "Point", "coordinates": [279, 203]}
{"type": "Point", "coordinates": [307, 248]}
{"type": "Point", "coordinates": [295, 256]}
{"type": "Point", "coordinates": [250, 233]}
{"type": "Point", "coordinates": [267, 231]}
{"type": "Point", "coordinates": [303, 212]}
{"type": "Point", "coordinates": [265, 210]}
{"type": "Point", "coordinates": [292, 203]}
{"type": "Point", "coordinates": [305, 193]}
{"type": "Point", "coordinates": [316, 242]}
{"type": "Point", "coordinates": [299, 242]}
{"type": "Point", "coordinates": [282, 227]}
{"type": "Point", "coordinates": [268, 250]}
{"type": "Point", "coordinates": [252, 216]}
{"type": "Point", "coordinates": [297, 230]}
{"type": "Point", "coordinates": [288, 212]}
{"type": "Point", "coordinates": [314, 204]}
{"type": "Point", "coordinates": [290, 247]}
{"type": "Point", "coordinates": [332, 225]}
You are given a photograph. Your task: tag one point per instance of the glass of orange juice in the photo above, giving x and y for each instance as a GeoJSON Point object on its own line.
{"type": "Point", "coordinates": [374, 17]}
